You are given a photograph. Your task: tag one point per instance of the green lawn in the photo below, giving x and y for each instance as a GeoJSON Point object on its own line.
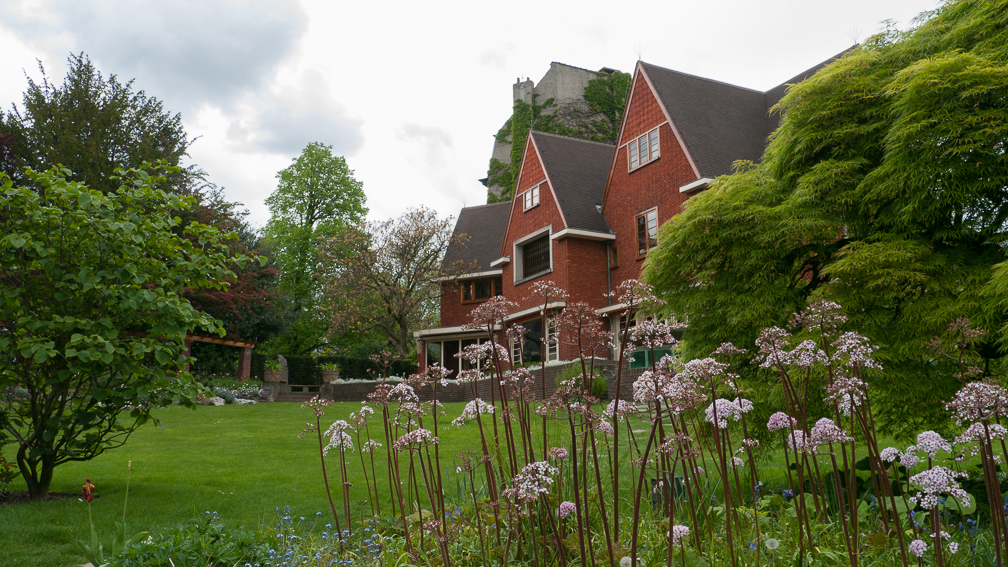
{"type": "Point", "coordinates": [240, 461]}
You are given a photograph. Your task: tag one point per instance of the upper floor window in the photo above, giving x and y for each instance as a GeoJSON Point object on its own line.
{"type": "Point", "coordinates": [531, 197]}
{"type": "Point", "coordinates": [536, 256]}
{"type": "Point", "coordinates": [647, 232]}
{"type": "Point", "coordinates": [644, 149]}
{"type": "Point", "coordinates": [533, 255]}
{"type": "Point", "coordinates": [481, 290]}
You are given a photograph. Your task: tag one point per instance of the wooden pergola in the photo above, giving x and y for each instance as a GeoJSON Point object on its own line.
{"type": "Point", "coordinates": [244, 371]}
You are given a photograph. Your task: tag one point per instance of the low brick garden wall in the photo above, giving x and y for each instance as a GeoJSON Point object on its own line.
{"type": "Point", "coordinates": [359, 391]}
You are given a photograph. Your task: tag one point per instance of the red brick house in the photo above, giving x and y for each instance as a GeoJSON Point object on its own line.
{"type": "Point", "coordinates": [585, 214]}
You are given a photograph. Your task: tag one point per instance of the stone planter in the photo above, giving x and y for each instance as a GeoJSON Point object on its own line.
{"type": "Point", "coordinates": [270, 375]}
{"type": "Point", "coordinates": [330, 376]}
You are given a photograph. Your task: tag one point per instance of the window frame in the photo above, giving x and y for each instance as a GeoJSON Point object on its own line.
{"type": "Point", "coordinates": [496, 288]}
{"type": "Point", "coordinates": [646, 145]}
{"type": "Point", "coordinates": [613, 256]}
{"type": "Point", "coordinates": [637, 226]}
{"type": "Point", "coordinates": [531, 198]}
{"type": "Point", "coordinates": [519, 254]}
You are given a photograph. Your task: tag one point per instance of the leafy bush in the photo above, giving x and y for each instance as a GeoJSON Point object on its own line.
{"type": "Point", "coordinates": [204, 541]}
{"type": "Point", "coordinates": [599, 385]}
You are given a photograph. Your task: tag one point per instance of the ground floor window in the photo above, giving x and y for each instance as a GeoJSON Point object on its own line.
{"type": "Point", "coordinates": [531, 349]}
{"type": "Point", "coordinates": [443, 353]}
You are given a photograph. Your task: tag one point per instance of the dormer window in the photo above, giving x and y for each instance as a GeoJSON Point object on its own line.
{"type": "Point", "coordinates": [644, 149]}
{"type": "Point", "coordinates": [531, 197]}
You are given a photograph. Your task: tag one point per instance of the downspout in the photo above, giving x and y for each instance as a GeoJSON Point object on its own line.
{"type": "Point", "coordinates": [608, 270]}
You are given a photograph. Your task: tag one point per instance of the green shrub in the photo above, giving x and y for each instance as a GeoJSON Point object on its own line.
{"type": "Point", "coordinates": [599, 384]}
{"type": "Point", "coordinates": [204, 541]}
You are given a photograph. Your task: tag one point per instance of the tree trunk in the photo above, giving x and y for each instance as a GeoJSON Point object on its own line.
{"type": "Point", "coordinates": [38, 481]}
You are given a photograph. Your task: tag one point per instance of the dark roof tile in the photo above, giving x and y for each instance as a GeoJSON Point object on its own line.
{"type": "Point", "coordinates": [484, 227]}
{"type": "Point", "coordinates": [578, 170]}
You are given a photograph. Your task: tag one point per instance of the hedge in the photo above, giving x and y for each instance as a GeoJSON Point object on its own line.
{"type": "Point", "coordinates": [305, 369]}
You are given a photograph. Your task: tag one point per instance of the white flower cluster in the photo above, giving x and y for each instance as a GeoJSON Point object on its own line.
{"type": "Point", "coordinates": [533, 480]}
{"type": "Point", "coordinates": [936, 481]}
{"type": "Point", "coordinates": [472, 409]}
{"type": "Point", "coordinates": [417, 437]}
{"type": "Point", "coordinates": [338, 437]}
{"type": "Point", "coordinates": [781, 420]}
{"type": "Point", "coordinates": [978, 401]}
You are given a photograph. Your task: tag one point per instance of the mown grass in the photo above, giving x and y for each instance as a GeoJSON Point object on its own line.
{"type": "Point", "coordinates": [239, 461]}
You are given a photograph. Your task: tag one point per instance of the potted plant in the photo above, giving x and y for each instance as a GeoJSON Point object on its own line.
{"type": "Point", "coordinates": [330, 372]}
{"type": "Point", "coordinates": [273, 371]}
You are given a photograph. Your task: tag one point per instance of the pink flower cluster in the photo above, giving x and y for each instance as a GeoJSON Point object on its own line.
{"type": "Point", "coordinates": [558, 453]}
{"type": "Point", "coordinates": [678, 532]}
{"type": "Point", "coordinates": [978, 401]}
{"type": "Point", "coordinates": [825, 432]}
{"type": "Point", "coordinates": [936, 481]}
{"type": "Point", "coordinates": [725, 409]}
{"type": "Point", "coordinates": [917, 547]}
{"type": "Point", "coordinates": [846, 392]}
{"type": "Point", "coordinates": [566, 508]}
{"type": "Point", "coordinates": [931, 442]}
{"type": "Point", "coordinates": [806, 355]}
{"type": "Point", "coordinates": [623, 408]}
{"type": "Point", "coordinates": [471, 410]}
{"type": "Point", "coordinates": [855, 351]}
{"type": "Point", "coordinates": [773, 348]}
{"type": "Point", "coordinates": [652, 334]}
{"type": "Point", "coordinates": [781, 420]}
{"type": "Point", "coordinates": [533, 480]}
{"type": "Point", "coordinates": [824, 317]}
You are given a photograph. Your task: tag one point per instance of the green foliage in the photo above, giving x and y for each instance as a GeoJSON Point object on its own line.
{"type": "Point", "coordinates": [91, 125]}
{"type": "Point", "coordinates": [203, 541]}
{"type": "Point", "coordinates": [316, 198]}
{"type": "Point", "coordinates": [607, 95]}
{"type": "Point", "coordinates": [93, 315]}
{"type": "Point", "coordinates": [94, 551]}
{"type": "Point", "coordinates": [884, 189]}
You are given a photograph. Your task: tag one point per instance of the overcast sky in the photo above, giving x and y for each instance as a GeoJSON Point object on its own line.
{"type": "Point", "coordinates": [410, 92]}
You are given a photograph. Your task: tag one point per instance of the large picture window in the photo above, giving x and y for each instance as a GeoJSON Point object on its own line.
{"type": "Point", "coordinates": [644, 149]}
{"type": "Point", "coordinates": [647, 232]}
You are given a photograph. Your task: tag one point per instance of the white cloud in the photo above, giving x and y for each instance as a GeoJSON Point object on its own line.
{"type": "Point", "coordinates": [185, 52]}
{"type": "Point", "coordinates": [285, 118]}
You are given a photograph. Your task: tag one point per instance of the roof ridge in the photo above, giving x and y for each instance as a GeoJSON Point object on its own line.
{"type": "Point", "coordinates": [508, 202]}
{"type": "Point", "coordinates": [573, 66]}
{"type": "Point", "coordinates": [704, 78]}
{"type": "Point", "coordinates": [562, 137]}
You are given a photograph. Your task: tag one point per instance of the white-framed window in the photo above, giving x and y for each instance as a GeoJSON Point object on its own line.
{"type": "Point", "coordinates": [531, 197]}
{"type": "Point", "coordinates": [533, 255]}
{"type": "Point", "coordinates": [647, 231]}
{"type": "Point", "coordinates": [644, 149]}
{"type": "Point", "coordinates": [552, 340]}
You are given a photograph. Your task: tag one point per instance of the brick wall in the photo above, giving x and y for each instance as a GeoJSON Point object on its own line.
{"type": "Point", "coordinates": [654, 184]}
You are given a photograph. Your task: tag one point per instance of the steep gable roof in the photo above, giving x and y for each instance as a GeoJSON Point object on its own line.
{"type": "Point", "coordinates": [720, 123]}
{"type": "Point", "coordinates": [577, 171]}
{"type": "Point", "coordinates": [484, 225]}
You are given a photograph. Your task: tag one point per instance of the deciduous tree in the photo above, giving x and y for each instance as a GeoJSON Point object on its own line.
{"type": "Point", "coordinates": [884, 189]}
{"type": "Point", "coordinates": [316, 198]}
{"type": "Point", "coordinates": [383, 275]}
{"type": "Point", "coordinates": [92, 311]}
